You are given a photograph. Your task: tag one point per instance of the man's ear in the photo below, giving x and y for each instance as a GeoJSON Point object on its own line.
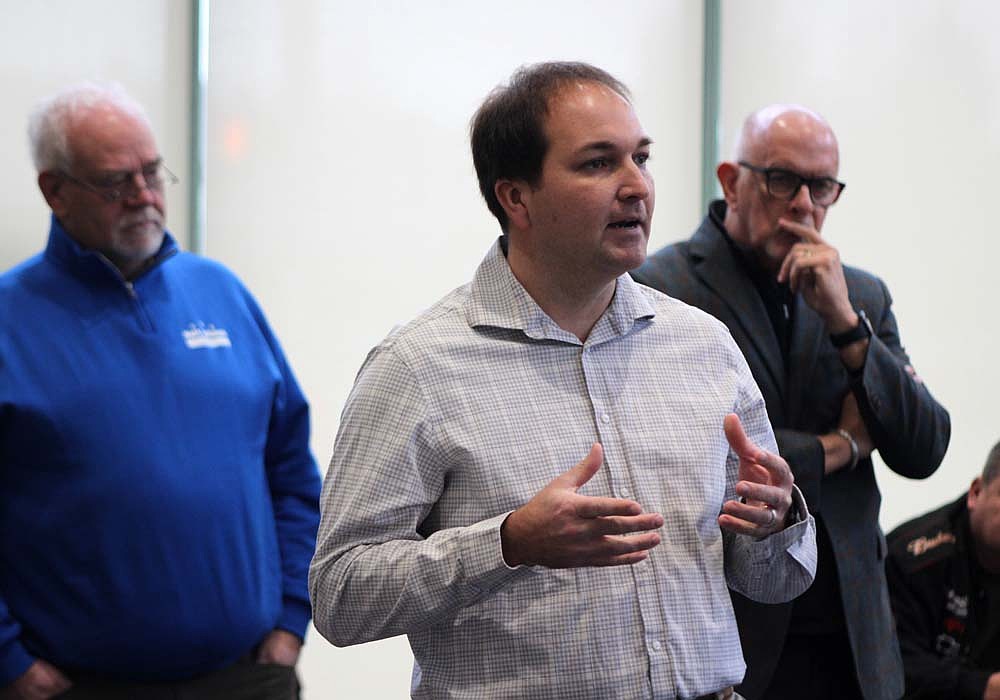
{"type": "Point", "coordinates": [514, 196]}
{"type": "Point", "coordinates": [972, 498]}
{"type": "Point", "coordinates": [728, 173]}
{"type": "Point", "coordinates": [51, 186]}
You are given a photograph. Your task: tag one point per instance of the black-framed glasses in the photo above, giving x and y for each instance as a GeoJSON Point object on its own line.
{"type": "Point", "coordinates": [785, 184]}
{"type": "Point", "coordinates": [115, 187]}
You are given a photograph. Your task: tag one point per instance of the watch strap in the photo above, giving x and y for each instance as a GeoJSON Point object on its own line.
{"type": "Point", "coordinates": [859, 332]}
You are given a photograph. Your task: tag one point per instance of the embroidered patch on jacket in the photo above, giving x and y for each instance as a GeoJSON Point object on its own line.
{"type": "Point", "coordinates": [924, 544]}
{"type": "Point", "coordinates": [205, 336]}
{"type": "Point", "coordinates": [957, 605]}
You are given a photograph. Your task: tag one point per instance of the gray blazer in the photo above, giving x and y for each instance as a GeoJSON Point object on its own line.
{"type": "Point", "coordinates": [909, 429]}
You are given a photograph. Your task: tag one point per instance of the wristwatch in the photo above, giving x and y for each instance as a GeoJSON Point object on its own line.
{"type": "Point", "coordinates": [859, 332]}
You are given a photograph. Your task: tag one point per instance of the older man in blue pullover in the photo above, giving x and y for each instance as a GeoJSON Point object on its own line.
{"type": "Point", "coordinates": [158, 500]}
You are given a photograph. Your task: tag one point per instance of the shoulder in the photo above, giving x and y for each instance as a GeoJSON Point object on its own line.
{"type": "Point", "coordinates": [202, 269]}
{"type": "Point", "coordinates": [435, 328]}
{"type": "Point", "coordinates": [929, 539]}
{"type": "Point", "coordinates": [864, 286]}
{"type": "Point", "coordinates": [664, 266]}
{"type": "Point", "coordinates": [15, 277]}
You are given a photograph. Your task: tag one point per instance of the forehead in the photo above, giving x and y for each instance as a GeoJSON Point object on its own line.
{"type": "Point", "coordinates": [800, 142]}
{"type": "Point", "coordinates": [106, 138]}
{"type": "Point", "coordinates": [582, 114]}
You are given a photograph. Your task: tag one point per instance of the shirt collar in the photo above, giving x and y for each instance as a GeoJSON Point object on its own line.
{"type": "Point", "coordinates": [65, 251]}
{"type": "Point", "coordinates": [496, 299]}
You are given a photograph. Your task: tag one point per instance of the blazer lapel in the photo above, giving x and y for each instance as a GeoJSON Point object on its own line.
{"type": "Point", "coordinates": [718, 267]}
{"type": "Point", "coordinates": [808, 335]}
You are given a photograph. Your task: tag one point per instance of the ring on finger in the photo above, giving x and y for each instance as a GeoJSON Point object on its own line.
{"type": "Point", "coordinates": [772, 516]}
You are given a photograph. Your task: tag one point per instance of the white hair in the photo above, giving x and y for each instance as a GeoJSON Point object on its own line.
{"type": "Point", "coordinates": [50, 120]}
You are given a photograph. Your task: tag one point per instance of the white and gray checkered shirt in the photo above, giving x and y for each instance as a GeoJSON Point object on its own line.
{"type": "Point", "coordinates": [464, 414]}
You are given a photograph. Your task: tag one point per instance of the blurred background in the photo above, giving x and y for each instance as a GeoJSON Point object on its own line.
{"type": "Point", "coordinates": [338, 182]}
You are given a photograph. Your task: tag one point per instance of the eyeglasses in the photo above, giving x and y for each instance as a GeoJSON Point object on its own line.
{"type": "Point", "coordinates": [115, 187]}
{"type": "Point", "coordinates": [785, 184]}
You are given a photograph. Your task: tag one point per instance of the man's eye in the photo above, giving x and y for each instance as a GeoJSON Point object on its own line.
{"type": "Point", "coordinates": [596, 164]}
{"type": "Point", "coordinates": [822, 187]}
{"type": "Point", "coordinates": [641, 158]}
{"type": "Point", "coordinates": [112, 181]}
{"type": "Point", "coordinates": [783, 180]}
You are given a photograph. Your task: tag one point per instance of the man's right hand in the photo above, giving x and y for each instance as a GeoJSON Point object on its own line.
{"type": "Point", "coordinates": [42, 680]}
{"type": "Point", "coordinates": [560, 528]}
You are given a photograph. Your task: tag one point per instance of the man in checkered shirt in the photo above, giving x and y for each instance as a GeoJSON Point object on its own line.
{"type": "Point", "coordinates": [549, 478]}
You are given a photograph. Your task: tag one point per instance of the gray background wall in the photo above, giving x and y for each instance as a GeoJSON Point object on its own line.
{"type": "Point", "coordinates": [341, 190]}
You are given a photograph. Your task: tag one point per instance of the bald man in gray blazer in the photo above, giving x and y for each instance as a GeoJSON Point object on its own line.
{"type": "Point", "coordinates": [823, 345]}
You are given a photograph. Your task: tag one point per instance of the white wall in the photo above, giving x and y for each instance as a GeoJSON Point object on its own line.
{"type": "Point", "coordinates": [911, 90]}
{"type": "Point", "coordinates": [342, 189]}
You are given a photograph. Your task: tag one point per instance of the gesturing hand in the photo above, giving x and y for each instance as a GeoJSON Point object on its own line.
{"type": "Point", "coordinates": [560, 528]}
{"type": "Point", "coordinates": [765, 483]}
{"type": "Point", "coordinates": [42, 680]}
{"type": "Point", "coordinates": [813, 268]}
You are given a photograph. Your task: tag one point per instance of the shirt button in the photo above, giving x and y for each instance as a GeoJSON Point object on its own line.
{"type": "Point", "coordinates": [656, 645]}
{"type": "Point", "coordinates": [606, 418]}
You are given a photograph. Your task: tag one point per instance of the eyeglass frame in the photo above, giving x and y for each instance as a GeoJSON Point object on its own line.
{"type": "Point", "coordinates": [128, 188]}
{"type": "Point", "coordinates": [807, 181]}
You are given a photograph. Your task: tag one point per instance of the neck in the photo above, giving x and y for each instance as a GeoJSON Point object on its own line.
{"type": "Point", "coordinates": [574, 301]}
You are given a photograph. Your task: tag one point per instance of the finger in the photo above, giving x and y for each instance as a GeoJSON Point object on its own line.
{"type": "Point", "coordinates": [615, 546]}
{"type": "Point", "coordinates": [786, 265]}
{"type": "Point", "coordinates": [801, 273]}
{"type": "Point", "coordinates": [737, 438]}
{"type": "Point", "coordinates": [745, 527]}
{"type": "Point", "coordinates": [584, 470]}
{"type": "Point", "coordinates": [778, 469]}
{"type": "Point", "coordinates": [763, 494]}
{"type": "Point", "coordinates": [618, 525]}
{"type": "Point", "coordinates": [597, 506]}
{"type": "Point", "coordinates": [806, 233]}
{"type": "Point", "coordinates": [755, 515]}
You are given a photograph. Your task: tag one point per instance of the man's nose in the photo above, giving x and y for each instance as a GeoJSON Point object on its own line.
{"type": "Point", "coordinates": [636, 184]}
{"type": "Point", "coordinates": [139, 191]}
{"type": "Point", "coordinates": [802, 200]}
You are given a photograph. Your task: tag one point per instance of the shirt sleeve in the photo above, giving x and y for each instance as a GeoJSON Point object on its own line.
{"type": "Point", "coordinates": [294, 484]}
{"type": "Point", "coordinates": [782, 566]}
{"type": "Point", "coordinates": [377, 572]}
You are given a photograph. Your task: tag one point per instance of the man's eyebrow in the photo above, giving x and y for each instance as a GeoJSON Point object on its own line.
{"type": "Point", "coordinates": [144, 166]}
{"type": "Point", "coordinates": [604, 146]}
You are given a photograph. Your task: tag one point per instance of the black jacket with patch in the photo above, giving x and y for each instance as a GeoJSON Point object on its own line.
{"type": "Point", "coordinates": [936, 599]}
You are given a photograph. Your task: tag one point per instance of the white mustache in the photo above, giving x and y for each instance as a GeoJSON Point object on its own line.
{"type": "Point", "coordinates": [148, 215]}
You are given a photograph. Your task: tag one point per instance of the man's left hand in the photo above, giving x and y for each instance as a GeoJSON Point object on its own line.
{"type": "Point", "coordinates": [279, 647]}
{"type": "Point", "coordinates": [813, 268]}
{"type": "Point", "coordinates": [765, 484]}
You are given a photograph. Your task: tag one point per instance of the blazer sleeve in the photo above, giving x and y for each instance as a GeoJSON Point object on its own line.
{"type": "Point", "coordinates": [908, 426]}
